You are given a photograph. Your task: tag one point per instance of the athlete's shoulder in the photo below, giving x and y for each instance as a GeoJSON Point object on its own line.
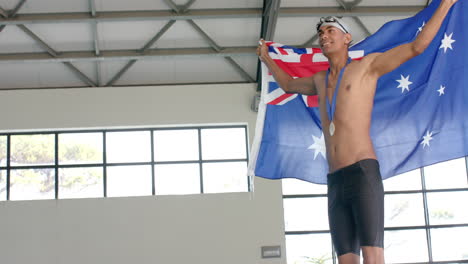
{"type": "Point", "coordinates": [319, 76]}
{"type": "Point", "coordinates": [321, 73]}
{"type": "Point", "coordinates": [318, 81]}
{"type": "Point", "coordinates": [366, 62]}
{"type": "Point", "coordinates": [371, 56]}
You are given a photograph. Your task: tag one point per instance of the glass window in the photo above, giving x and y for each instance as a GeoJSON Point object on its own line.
{"type": "Point", "coordinates": [130, 168]}
{"type": "Point", "coordinates": [32, 149]}
{"type": "Point", "coordinates": [407, 181]}
{"type": "Point", "coordinates": [3, 150]}
{"type": "Point", "coordinates": [225, 177]}
{"type": "Point", "coordinates": [448, 208]}
{"type": "Point", "coordinates": [83, 182]}
{"type": "Point", "coordinates": [306, 249]}
{"type": "Point", "coordinates": [405, 246]}
{"type": "Point", "coordinates": [32, 184]}
{"type": "Point", "coordinates": [80, 148]}
{"type": "Point", "coordinates": [444, 175]}
{"type": "Point", "coordinates": [3, 185]}
{"type": "Point", "coordinates": [223, 143]}
{"type": "Point", "coordinates": [306, 214]}
{"type": "Point", "coordinates": [131, 146]}
{"type": "Point", "coordinates": [404, 210]}
{"type": "Point", "coordinates": [176, 145]}
{"type": "Point", "coordinates": [449, 243]}
{"type": "Point", "coordinates": [295, 186]}
{"type": "Point", "coordinates": [177, 178]}
{"type": "Point", "coordinates": [129, 180]}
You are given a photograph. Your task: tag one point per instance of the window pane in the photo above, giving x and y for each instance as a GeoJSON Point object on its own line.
{"type": "Point", "coordinates": [81, 182]}
{"type": "Point", "coordinates": [172, 145]}
{"type": "Point", "coordinates": [33, 149]}
{"type": "Point", "coordinates": [404, 210]}
{"type": "Point", "coordinates": [410, 180]}
{"type": "Point", "coordinates": [129, 181]}
{"type": "Point", "coordinates": [177, 179]}
{"type": "Point", "coordinates": [32, 184]}
{"type": "Point", "coordinates": [295, 186]}
{"type": "Point", "coordinates": [406, 246]}
{"type": "Point", "coordinates": [134, 146]}
{"type": "Point", "coordinates": [80, 148]}
{"type": "Point", "coordinates": [2, 185]}
{"type": "Point", "coordinates": [449, 243]}
{"type": "Point", "coordinates": [3, 150]}
{"type": "Point", "coordinates": [448, 208]}
{"type": "Point", "coordinates": [449, 174]}
{"type": "Point", "coordinates": [306, 214]}
{"type": "Point", "coordinates": [225, 177]}
{"type": "Point", "coordinates": [223, 143]}
{"type": "Point", "coordinates": [306, 249]}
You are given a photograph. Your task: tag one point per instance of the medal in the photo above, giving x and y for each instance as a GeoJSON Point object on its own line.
{"type": "Point", "coordinates": [331, 107]}
{"type": "Point", "coordinates": [331, 128]}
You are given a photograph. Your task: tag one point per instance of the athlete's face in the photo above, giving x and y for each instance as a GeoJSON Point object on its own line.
{"type": "Point", "coordinates": [332, 39]}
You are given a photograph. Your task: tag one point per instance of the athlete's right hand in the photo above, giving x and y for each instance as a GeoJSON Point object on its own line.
{"type": "Point", "coordinates": [262, 50]}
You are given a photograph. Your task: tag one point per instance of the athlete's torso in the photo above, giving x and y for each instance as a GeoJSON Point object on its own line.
{"type": "Point", "coordinates": [351, 141]}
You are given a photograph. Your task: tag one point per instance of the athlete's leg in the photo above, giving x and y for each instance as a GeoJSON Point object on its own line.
{"type": "Point", "coordinates": [373, 255]}
{"type": "Point", "coordinates": [341, 220]}
{"type": "Point", "coordinates": [368, 209]}
{"type": "Point", "coordinates": [349, 258]}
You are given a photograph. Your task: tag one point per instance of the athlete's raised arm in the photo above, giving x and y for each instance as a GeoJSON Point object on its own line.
{"type": "Point", "coordinates": [304, 85]}
{"type": "Point", "coordinates": [388, 61]}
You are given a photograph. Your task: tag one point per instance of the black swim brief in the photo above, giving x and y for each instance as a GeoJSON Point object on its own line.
{"type": "Point", "coordinates": [356, 207]}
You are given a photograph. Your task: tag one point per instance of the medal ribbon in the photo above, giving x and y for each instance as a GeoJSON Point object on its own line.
{"type": "Point", "coordinates": [331, 108]}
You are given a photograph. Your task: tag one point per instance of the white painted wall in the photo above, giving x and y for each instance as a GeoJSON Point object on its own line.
{"type": "Point", "coordinates": [205, 229]}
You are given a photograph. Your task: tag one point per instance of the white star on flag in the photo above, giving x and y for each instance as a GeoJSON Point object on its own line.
{"type": "Point", "coordinates": [441, 90]}
{"type": "Point", "coordinates": [447, 42]}
{"type": "Point", "coordinates": [426, 139]}
{"type": "Point", "coordinates": [404, 83]}
{"type": "Point", "coordinates": [318, 146]}
{"type": "Point", "coordinates": [421, 27]}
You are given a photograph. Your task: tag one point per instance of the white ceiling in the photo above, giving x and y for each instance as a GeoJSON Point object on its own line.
{"type": "Point", "coordinates": [22, 68]}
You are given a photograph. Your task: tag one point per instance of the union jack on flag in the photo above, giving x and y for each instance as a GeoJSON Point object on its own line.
{"type": "Point", "coordinates": [419, 115]}
{"type": "Point", "coordinates": [297, 63]}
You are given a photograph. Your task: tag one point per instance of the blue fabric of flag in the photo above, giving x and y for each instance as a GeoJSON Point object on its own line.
{"type": "Point", "coordinates": [419, 115]}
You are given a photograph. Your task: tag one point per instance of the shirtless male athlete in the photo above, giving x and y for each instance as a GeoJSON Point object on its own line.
{"type": "Point", "coordinates": [355, 189]}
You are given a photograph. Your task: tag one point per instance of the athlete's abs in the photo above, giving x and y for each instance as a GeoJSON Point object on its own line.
{"type": "Point", "coordinates": [349, 145]}
{"type": "Point", "coordinates": [351, 141]}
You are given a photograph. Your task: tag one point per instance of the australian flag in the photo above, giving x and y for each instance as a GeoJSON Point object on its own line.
{"type": "Point", "coordinates": [420, 109]}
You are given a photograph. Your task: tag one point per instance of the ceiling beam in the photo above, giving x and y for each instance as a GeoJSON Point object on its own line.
{"type": "Point", "coordinates": [239, 69]}
{"type": "Point", "coordinates": [362, 25]}
{"type": "Point", "coordinates": [18, 6]}
{"type": "Point", "coordinates": [186, 7]}
{"type": "Point", "coordinates": [52, 53]}
{"type": "Point", "coordinates": [355, 11]}
{"type": "Point", "coordinates": [97, 49]}
{"type": "Point", "coordinates": [357, 20]}
{"type": "Point", "coordinates": [218, 48]}
{"type": "Point", "coordinates": [150, 43]}
{"type": "Point", "coordinates": [270, 17]}
{"type": "Point", "coordinates": [44, 45]}
{"type": "Point", "coordinates": [92, 7]}
{"type": "Point", "coordinates": [205, 36]}
{"type": "Point", "coordinates": [126, 85]}
{"type": "Point", "coordinates": [110, 16]}
{"type": "Point", "coordinates": [125, 55]}
{"type": "Point", "coordinates": [12, 13]}
{"type": "Point", "coordinates": [208, 39]}
{"type": "Point", "coordinates": [268, 28]}
{"type": "Point", "coordinates": [3, 12]}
